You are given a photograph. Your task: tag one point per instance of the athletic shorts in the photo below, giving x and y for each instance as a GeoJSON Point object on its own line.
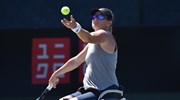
{"type": "Point", "coordinates": [90, 94]}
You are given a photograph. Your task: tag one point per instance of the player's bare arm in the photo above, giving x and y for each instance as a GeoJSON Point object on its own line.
{"type": "Point", "coordinates": [97, 37]}
{"type": "Point", "coordinates": [70, 65]}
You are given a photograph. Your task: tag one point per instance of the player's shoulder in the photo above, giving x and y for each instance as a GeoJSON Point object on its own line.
{"type": "Point", "coordinates": [100, 32]}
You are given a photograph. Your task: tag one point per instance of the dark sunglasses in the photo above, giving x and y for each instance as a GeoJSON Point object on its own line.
{"type": "Point", "coordinates": [100, 17]}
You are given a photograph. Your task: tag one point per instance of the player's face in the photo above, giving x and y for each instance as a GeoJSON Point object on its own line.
{"type": "Point", "coordinates": [99, 21]}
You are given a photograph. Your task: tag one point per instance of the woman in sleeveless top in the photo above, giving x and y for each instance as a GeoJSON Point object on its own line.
{"type": "Point", "coordinates": [100, 55]}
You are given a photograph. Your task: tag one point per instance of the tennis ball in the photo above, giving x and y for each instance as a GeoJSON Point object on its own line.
{"type": "Point", "coordinates": [65, 10]}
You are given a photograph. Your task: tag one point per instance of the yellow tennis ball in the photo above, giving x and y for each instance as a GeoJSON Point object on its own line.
{"type": "Point", "coordinates": [65, 10]}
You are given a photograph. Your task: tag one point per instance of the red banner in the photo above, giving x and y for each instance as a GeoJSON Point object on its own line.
{"type": "Point", "coordinates": [48, 54]}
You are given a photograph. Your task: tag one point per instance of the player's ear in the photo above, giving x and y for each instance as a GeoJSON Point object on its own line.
{"type": "Point", "coordinates": [109, 23]}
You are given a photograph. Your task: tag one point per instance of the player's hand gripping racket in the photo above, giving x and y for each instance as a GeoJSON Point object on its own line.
{"type": "Point", "coordinates": [45, 92]}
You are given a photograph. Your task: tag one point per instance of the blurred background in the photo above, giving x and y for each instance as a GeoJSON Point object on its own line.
{"type": "Point", "coordinates": [35, 43]}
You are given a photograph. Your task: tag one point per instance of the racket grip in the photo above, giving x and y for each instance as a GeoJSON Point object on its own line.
{"type": "Point", "coordinates": [50, 86]}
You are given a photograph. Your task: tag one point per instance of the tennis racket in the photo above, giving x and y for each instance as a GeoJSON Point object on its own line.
{"type": "Point", "coordinates": [45, 92]}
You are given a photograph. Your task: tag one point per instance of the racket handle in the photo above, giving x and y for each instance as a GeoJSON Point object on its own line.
{"type": "Point", "coordinates": [50, 86]}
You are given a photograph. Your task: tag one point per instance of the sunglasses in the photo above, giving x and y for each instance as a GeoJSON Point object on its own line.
{"type": "Point", "coordinates": [100, 17]}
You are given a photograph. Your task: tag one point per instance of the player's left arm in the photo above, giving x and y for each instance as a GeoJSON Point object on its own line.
{"type": "Point", "coordinates": [96, 37]}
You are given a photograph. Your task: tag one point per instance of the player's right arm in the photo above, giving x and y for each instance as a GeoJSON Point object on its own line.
{"type": "Point", "coordinates": [70, 65]}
